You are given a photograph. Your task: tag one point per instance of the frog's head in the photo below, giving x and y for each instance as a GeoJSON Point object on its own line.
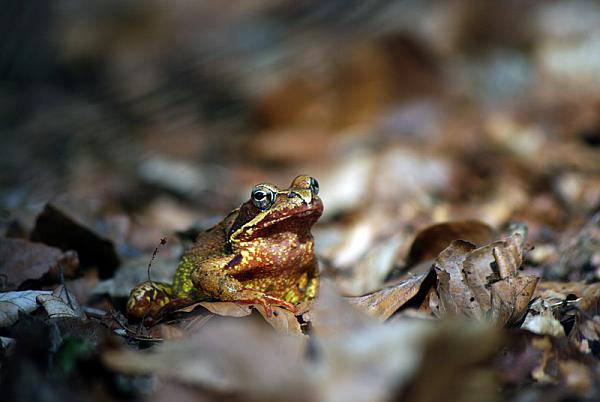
{"type": "Point", "coordinates": [272, 210]}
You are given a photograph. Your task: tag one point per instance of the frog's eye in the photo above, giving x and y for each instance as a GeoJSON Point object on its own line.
{"type": "Point", "coordinates": [314, 186]}
{"type": "Point", "coordinates": [262, 197]}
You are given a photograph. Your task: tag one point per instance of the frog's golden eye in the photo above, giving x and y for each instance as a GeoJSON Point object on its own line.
{"type": "Point", "coordinates": [314, 186]}
{"type": "Point", "coordinates": [262, 197]}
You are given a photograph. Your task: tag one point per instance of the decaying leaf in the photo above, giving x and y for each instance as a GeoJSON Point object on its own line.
{"type": "Point", "coordinates": [455, 296]}
{"type": "Point", "coordinates": [510, 297]}
{"type": "Point", "coordinates": [227, 309]}
{"type": "Point", "coordinates": [350, 356]}
{"type": "Point", "coordinates": [282, 320]}
{"type": "Point", "coordinates": [11, 303]}
{"type": "Point", "coordinates": [227, 355]}
{"type": "Point", "coordinates": [576, 305]}
{"type": "Point", "coordinates": [21, 260]}
{"type": "Point", "coordinates": [359, 358]}
{"type": "Point", "coordinates": [475, 282]}
{"type": "Point", "coordinates": [430, 241]}
{"type": "Point", "coordinates": [483, 282]}
{"type": "Point", "coordinates": [385, 302]}
{"type": "Point", "coordinates": [61, 304]}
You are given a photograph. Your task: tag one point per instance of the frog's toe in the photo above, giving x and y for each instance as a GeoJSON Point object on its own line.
{"type": "Point", "coordinates": [275, 301]}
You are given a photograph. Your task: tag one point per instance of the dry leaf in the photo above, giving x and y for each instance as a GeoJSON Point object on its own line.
{"type": "Point", "coordinates": [574, 302]}
{"type": "Point", "coordinates": [510, 297]}
{"type": "Point", "coordinates": [228, 355]}
{"type": "Point", "coordinates": [21, 260]}
{"type": "Point", "coordinates": [61, 304]}
{"type": "Point", "coordinates": [453, 291]}
{"type": "Point", "coordinates": [483, 282]}
{"type": "Point", "coordinates": [359, 358]}
{"type": "Point", "coordinates": [282, 320]}
{"type": "Point", "coordinates": [11, 303]}
{"type": "Point", "coordinates": [385, 302]}
{"type": "Point", "coordinates": [227, 309]}
{"type": "Point", "coordinates": [430, 241]}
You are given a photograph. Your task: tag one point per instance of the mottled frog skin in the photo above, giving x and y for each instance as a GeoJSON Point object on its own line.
{"type": "Point", "coordinates": [261, 253]}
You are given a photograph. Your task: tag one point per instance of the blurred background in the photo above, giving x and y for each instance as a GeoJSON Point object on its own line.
{"type": "Point", "coordinates": [156, 116]}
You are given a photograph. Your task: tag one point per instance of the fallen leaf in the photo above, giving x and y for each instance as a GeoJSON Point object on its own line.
{"type": "Point", "coordinates": [484, 282]}
{"type": "Point", "coordinates": [12, 303]}
{"type": "Point", "coordinates": [454, 293]}
{"type": "Point", "coordinates": [229, 355]}
{"type": "Point", "coordinates": [575, 304]}
{"type": "Point", "coordinates": [21, 261]}
{"type": "Point", "coordinates": [282, 320]}
{"type": "Point", "coordinates": [359, 358]}
{"type": "Point", "coordinates": [385, 302]}
{"type": "Point", "coordinates": [227, 309]}
{"type": "Point", "coordinates": [510, 298]}
{"type": "Point", "coordinates": [61, 304]}
{"type": "Point", "coordinates": [430, 241]}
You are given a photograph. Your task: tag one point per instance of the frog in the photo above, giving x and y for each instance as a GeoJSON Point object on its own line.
{"type": "Point", "coordinates": [262, 253]}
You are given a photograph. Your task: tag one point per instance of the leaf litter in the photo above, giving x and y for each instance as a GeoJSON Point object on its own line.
{"type": "Point", "coordinates": [431, 133]}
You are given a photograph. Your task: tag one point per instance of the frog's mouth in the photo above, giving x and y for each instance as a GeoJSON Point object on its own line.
{"type": "Point", "coordinates": [305, 213]}
{"type": "Point", "coordinates": [298, 219]}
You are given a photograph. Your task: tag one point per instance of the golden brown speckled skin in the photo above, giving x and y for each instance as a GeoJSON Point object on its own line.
{"type": "Point", "coordinates": [252, 256]}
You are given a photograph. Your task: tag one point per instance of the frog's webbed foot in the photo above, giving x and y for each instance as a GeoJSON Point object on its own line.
{"type": "Point", "coordinates": [265, 300]}
{"type": "Point", "coordinates": [148, 299]}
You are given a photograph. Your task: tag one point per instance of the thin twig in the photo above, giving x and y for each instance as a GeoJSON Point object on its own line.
{"type": "Point", "coordinates": [163, 241]}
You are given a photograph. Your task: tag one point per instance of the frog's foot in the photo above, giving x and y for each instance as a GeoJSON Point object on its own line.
{"type": "Point", "coordinates": [266, 301]}
{"type": "Point", "coordinates": [148, 299]}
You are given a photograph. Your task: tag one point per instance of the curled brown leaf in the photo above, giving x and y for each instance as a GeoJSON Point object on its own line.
{"type": "Point", "coordinates": [484, 282]}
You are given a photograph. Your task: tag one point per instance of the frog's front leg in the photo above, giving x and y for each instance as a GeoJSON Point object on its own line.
{"type": "Point", "coordinates": [213, 278]}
